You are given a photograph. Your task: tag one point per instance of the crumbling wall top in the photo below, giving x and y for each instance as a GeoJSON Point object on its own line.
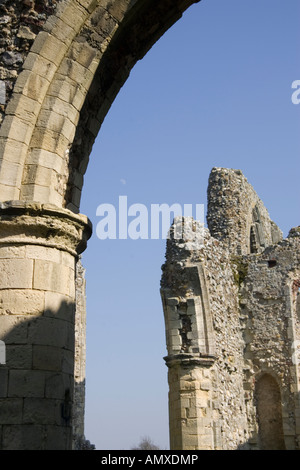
{"type": "Point", "coordinates": [236, 215]}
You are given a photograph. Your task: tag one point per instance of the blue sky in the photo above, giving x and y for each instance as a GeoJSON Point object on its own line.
{"type": "Point", "coordinates": [214, 91]}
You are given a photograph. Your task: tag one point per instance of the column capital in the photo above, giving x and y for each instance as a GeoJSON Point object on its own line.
{"type": "Point", "coordinates": [190, 359]}
{"type": "Point", "coordinates": [47, 225]}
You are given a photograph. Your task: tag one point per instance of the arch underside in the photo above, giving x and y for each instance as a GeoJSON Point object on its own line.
{"type": "Point", "coordinates": [71, 75]}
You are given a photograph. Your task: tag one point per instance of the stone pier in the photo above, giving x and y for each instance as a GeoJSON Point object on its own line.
{"type": "Point", "coordinates": [39, 247]}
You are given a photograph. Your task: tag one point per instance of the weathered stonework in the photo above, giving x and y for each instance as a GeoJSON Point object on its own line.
{"type": "Point", "coordinates": [231, 302]}
{"type": "Point", "coordinates": [20, 23]}
{"type": "Point", "coordinates": [39, 246]}
{"type": "Point", "coordinates": [62, 63]}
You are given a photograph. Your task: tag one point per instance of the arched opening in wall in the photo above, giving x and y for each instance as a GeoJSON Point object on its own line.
{"type": "Point", "coordinates": [257, 241]}
{"type": "Point", "coordinates": [269, 414]}
{"type": "Point", "coordinates": [163, 134]}
{"type": "Point", "coordinates": [253, 240]}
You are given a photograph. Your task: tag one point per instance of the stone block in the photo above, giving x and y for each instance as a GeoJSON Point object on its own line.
{"type": "Point", "coordinates": [25, 108]}
{"type": "Point", "coordinates": [73, 13]}
{"type": "Point", "coordinates": [23, 437]}
{"type": "Point", "coordinates": [26, 383]}
{"type": "Point", "coordinates": [51, 332]}
{"type": "Point", "coordinates": [13, 329]}
{"type": "Point", "coordinates": [185, 402]}
{"type": "Point", "coordinates": [58, 438]}
{"type": "Point", "coordinates": [32, 85]}
{"type": "Point", "coordinates": [16, 150]}
{"type": "Point", "coordinates": [61, 107]}
{"type": "Point", "coordinates": [192, 412]}
{"type": "Point", "coordinates": [47, 358]}
{"type": "Point", "coordinates": [205, 385]}
{"type": "Point", "coordinates": [47, 159]}
{"type": "Point", "coordinates": [16, 274]}
{"type": "Point", "coordinates": [34, 174]}
{"type": "Point", "coordinates": [11, 410]}
{"type": "Point", "coordinates": [56, 385]}
{"type": "Point", "coordinates": [3, 382]}
{"type": "Point", "coordinates": [60, 29]}
{"type": "Point", "coordinates": [68, 260]}
{"type": "Point", "coordinates": [42, 411]}
{"type": "Point", "coordinates": [39, 65]}
{"type": "Point", "coordinates": [8, 252]}
{"type": "Point", "coordinates": [187, 385]}
{"type": "Point", "coordinates": [49, 141]}
{"type": "Point", "coordinates": [51, 276]}
{"type": "Point", "coordinates": [21, 302]}
{"type": "Point", "coordinates": [176, 340]}
{"type": "Point", "coordinates": [19, 356]}
{"type": "Point", "coordinates": [43, 253]}
{"type": "Point", "coordinates": [9, 193]}
{"type": "Point", "coordinates": [34, 192]}
{"type": "Point", "coordinates": [117, 10]}
{"type": "Point", "coordinates": [55, 122]}
{"type": "Point", "coordinates": [59, 306]}
{"type": "Point", "coordinates": [73, 70]}
{"type": "Point", "coordinates": [10, 174]}
{"type": "Point", "coordinates": [15, 128]}
{"type": "Point", "coordinates": [49, 47]}
{"type": "Point", "coordinates": [191, 441]}
{"type": "Point", "coordinates": [67, 90]}
{"type": "Point", "coordinates": [103, 22]}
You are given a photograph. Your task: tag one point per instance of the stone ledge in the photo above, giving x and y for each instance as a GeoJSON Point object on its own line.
{"type": "Point", "coordinates": [190, 360]}
{"type": "Point", "coordinates": [30, 223]}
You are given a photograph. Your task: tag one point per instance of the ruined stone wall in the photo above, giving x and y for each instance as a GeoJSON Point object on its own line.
{"type": "Point", "coordinates": [233, 361]}
{"type": "Point", "coordinates": [270, 328]}
{"type": "Point", "coordinates": [20, 22]}
{"type": "Point", "coordinates": [236, 214]}
{"type": "Point", "coordinates": [215, 413]}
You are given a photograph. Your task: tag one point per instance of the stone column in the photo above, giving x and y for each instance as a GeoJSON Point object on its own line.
{"type": "Point", "coordinates": [39, 246]}
{"type": "Point", "coordinates": [191, 419]}
{"type": "Point", "coordinates": [190, 364]}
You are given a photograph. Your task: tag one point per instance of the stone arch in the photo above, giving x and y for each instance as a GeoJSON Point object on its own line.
{"type": "Point", "coordinates": [79, 59]}
{"type": "Point", "coordinates": [74, 70]}
{"type": "Point", "coordinates": [269, 413]}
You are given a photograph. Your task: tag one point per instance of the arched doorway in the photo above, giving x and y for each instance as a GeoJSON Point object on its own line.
{"type": "Point", "coordinates": [269, 414]}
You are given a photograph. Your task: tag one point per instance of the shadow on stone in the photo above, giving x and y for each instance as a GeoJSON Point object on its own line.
{"type": "Point", "coordinates": [38, 396]}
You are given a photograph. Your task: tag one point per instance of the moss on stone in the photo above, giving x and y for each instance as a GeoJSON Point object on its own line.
{"type": "Point", "coordinates": [239, 269]}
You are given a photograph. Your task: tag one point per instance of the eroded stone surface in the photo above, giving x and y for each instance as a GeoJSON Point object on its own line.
{"type": "Point", "coordinates": [231, 303]}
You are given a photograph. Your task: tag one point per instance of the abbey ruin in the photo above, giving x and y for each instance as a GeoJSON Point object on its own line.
{"type": "Point", "coordinates": [230, 298]}
{"type": "Point", "coordinates": [232, 309]}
